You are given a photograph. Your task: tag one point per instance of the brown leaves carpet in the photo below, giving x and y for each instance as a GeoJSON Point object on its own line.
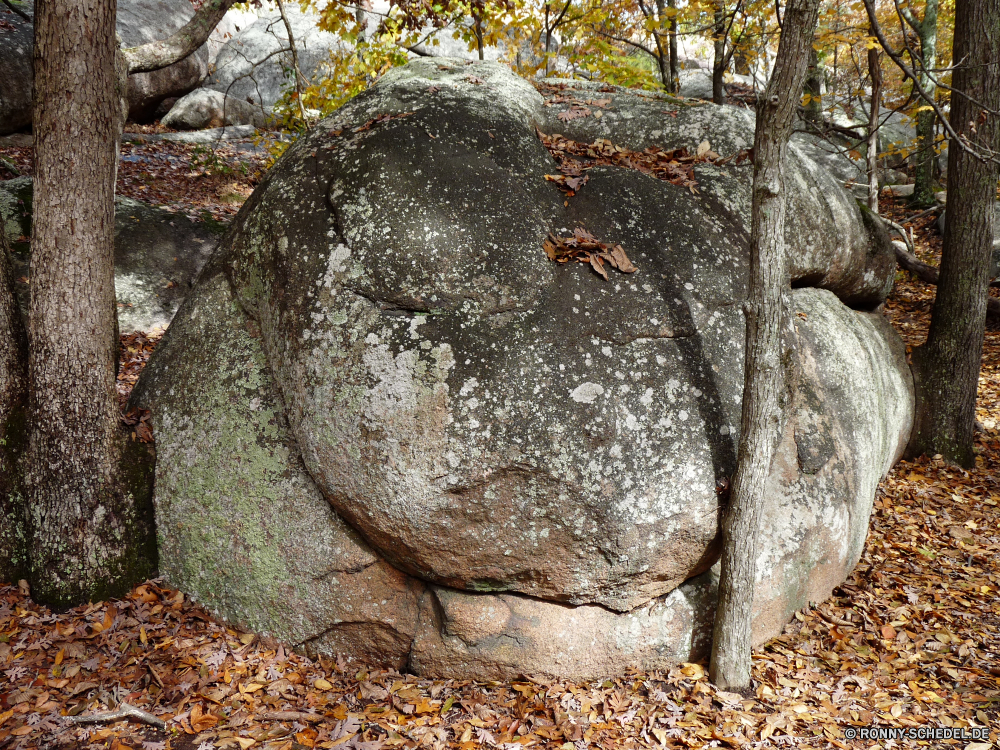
{"type": "Point", "coordinates": [911, 641]}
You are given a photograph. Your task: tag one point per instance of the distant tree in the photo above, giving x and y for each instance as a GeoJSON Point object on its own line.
{"type": "Point", "coordinates": [946, 368]}
{"type": "Point", "coordinates": [764, 380]}
{"type": "Point", "coordinates": [925, 63]}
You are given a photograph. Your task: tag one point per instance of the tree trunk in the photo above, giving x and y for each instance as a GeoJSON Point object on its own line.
{"type": "Point", "coordinates": [13, 405]}
{"type": "Point", "coordinates": [814, 88]}
{"type": "Point", "coordinates": [662, 55]}
{"type": "Point", "coordinates": [675, 79]}
{"type": "Point", "coordinates": [946, 368]}
{"type": "Point", "coordinates": [764, 389]}
{"type": "Point", "coordinates": [924, 185]}
{"type": "Point", "coordinates": [719, 59]}
{"type": "Point", "coordinates": [91, 537]}
{"type": "Point", "coordinates": [871, 157]}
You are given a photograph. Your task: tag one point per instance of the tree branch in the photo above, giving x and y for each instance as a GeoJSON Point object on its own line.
{"type": "Point", "coordinates": [17, 10]}
{"type": "Point", "coordinates": [165, 52]}
{"type": "Point", "coordinates": [124, 711]}
{"type": "Point", "coordinates": [896, 58]}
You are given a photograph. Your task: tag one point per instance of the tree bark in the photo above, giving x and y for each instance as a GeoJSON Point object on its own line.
{"type": "Point", "coordinates": [765, 383]}
{"type": "Point", "coordinates": [814, 88]}
{"type": "Point", "coordinates": [871, 156]}
{"type": "Point", "coordinates": [924, 184]}
{"type": "Point", "coordinates": [672, 47]}
{"type": "Point", "coordinates": [13, 405]}
{"type": "Point", "coordinates": [719, 58]}
{"type": "Point", "coordinates": [91, 537]}
{"type": "Point", "coordinates": [946, 368]}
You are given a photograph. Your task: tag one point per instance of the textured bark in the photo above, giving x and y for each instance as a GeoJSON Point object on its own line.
{"type": "Point", "coordinates": [165, 52]}
{"type": "Point", "coordinates": [764, 380]}
{"type": "Point", "coordinates": [871, 157]}
{"type": "Point", "coordinates": [672, 47]}
{"type": "Point", "coordinates": [814, 88]}
{"type": "Point", "coordinates": [946, 368]}
{"type": "Point", "coordinates": [719, 58]}
{"type": "Point", "coordinates": [13, 403]}
{"type": "Point", "coordinates": [924, 185]}
{"type": "Point", "coordinates": [90, 526]}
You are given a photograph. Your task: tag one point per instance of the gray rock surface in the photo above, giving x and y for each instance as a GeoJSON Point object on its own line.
{"type": "Point", "coordinates": [539, 445]}
{"type": "Point", "coordinates": [243, 526]}
{"type": "Point", "coordinates": [142, 21]}
{"type": "Point", "coordinates": [253, 64]}
{"type": "Point", "coordinates": [158, 254]}
{"type": "Point", "coordinates": [695, 83]}
{"type": "Point", "coordinates": [207, 108]}
{"type": "Point", "coordinates": [16, 44]}
{"type": "Point", "coordinates": [139, 21]}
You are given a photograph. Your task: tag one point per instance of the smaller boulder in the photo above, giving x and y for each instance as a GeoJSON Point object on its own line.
{"type": "Point", "coordinates": [207, 108]}
{"type": "Point", "coordinates": [158, 254]}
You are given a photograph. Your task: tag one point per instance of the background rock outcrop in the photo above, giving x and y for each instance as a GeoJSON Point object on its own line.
{"type": "Point", "coordinates": [158, 254]}
{"type": "Point", "coordinates": [139, 22]}
{"type": "Point", "coordinates": [511, 448]}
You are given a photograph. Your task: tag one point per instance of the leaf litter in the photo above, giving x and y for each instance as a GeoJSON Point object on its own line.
{"type": "Point", "coordinates": [912, 639]}
{"type": "Point", "coordinates": [583, 247]}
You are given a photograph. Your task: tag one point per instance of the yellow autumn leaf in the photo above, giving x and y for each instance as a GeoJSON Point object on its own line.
{"type": "Point", "coordinates": [693, 670]}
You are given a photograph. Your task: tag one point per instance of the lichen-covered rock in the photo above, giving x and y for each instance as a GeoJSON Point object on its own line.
{"type": "Point", "coordinates": [538, 444]}
{"type": "Point", "coordinates": [241, 525]}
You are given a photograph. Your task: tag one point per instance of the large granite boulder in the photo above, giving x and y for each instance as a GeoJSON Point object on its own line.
{"type": "Point", "coordinates": [158, 254]}
{"type": "Point", "coordinates": [531, 450]}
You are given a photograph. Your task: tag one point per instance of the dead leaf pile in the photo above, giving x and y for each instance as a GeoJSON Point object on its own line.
{"type": "Point", "coordinates": [583, 247]}
{"type": "Point", "coordinates": [573, 159]}
{"type": "Point", "coordinates": [134, 353]}
{"type": "Point", "coordinates": [199, 183]}
{"type": "Point", "coordinates": [379, 120]}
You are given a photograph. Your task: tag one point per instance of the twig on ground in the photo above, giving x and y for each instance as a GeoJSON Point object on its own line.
{"type": "Point", "coordinates": [124, 711]}
{"type": "Point", "coordinates": [835, 620]}
{"type": "Point", "coordinates": [923, 213]}
{"type": "Point", "coordinates": [292, 716]}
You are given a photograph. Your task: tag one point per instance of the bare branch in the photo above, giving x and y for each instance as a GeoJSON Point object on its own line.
{"type": "Point", "coordinates": [124, 711]}
{"type": "Point", "coordinates": [880, 35]}
{"type": "Point", "coordinates": [17, 10]}
{"type": "Point", "coordinates": [165, 52]}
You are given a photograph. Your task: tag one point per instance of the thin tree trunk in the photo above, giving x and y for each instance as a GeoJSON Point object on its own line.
{"type": "Point", "coordinates": [764, 389]}
{"type": "Point", "coordinates": [871, 157]}
{"type": "Point", "coordinates": [672, 46]}
{"type": "Point", "coordinates": [719, 57]}
{"type": "Point", "coordinates": [13, 404]}
{"type": "Point", "coordinates": [662, 55]}
{"type": "Point", "coordinates": [946, 368]}
{"type": "Point", "coordinates": [924, 185]}
{"type": "Point", "coordinates": [300, 79]}
{"type": "Point", "coordinates": [478, 30]}
{"type": "Point", "coordinates": [89, 538]}
{"type": "Point", "coordinates": [814, 88]}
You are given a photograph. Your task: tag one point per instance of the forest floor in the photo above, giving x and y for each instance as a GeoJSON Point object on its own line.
{"type": "Point", "coordinates": [911, 641]}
